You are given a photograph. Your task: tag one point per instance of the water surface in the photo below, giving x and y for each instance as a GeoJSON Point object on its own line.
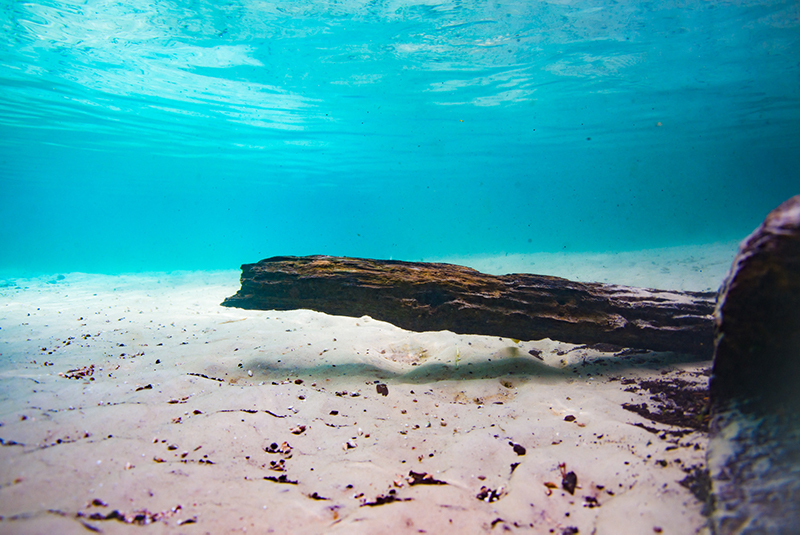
{"type": "Point", "coordinates": [145, 135]}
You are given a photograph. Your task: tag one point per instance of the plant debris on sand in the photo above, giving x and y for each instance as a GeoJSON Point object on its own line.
{"type": "Point", "coordinates": [677, 402]}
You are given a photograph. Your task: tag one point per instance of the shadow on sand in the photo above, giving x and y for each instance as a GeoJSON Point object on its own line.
{"type": "Point", "coordinates": [524, 368]}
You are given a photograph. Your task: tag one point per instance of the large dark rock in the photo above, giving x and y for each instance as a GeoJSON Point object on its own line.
{"type": "Point", "coordinates": [757, 354]}
{"type": "Point", "coordinates": [433, 297]}
{"type": "Point", "coordinates": [754, 447]}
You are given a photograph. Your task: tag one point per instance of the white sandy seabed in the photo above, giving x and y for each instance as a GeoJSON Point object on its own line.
{"type": "Point", "coordinates": [138, 399]}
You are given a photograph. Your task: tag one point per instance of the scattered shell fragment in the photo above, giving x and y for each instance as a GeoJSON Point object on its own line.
{"type": "Point", "coordinates": [489, 495]}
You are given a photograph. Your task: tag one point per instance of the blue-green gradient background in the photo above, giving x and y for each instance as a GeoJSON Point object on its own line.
{"type": "Point", "coordinates": [157, 135]}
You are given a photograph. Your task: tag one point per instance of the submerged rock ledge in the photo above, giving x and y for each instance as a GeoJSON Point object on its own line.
{"type": "Point", "coordinates": [432, 297]}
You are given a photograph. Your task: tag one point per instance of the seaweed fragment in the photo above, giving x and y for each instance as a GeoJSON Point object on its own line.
{"type": "Point", "coordinates": [423, 478]}
{"type": "Point", "coordinates": [383, 499]}
{"type": "Point", "coordinates": [283, 478]}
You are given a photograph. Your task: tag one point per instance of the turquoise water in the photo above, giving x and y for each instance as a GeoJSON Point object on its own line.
{"type": "Point", "coordinates": [154, 135]}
